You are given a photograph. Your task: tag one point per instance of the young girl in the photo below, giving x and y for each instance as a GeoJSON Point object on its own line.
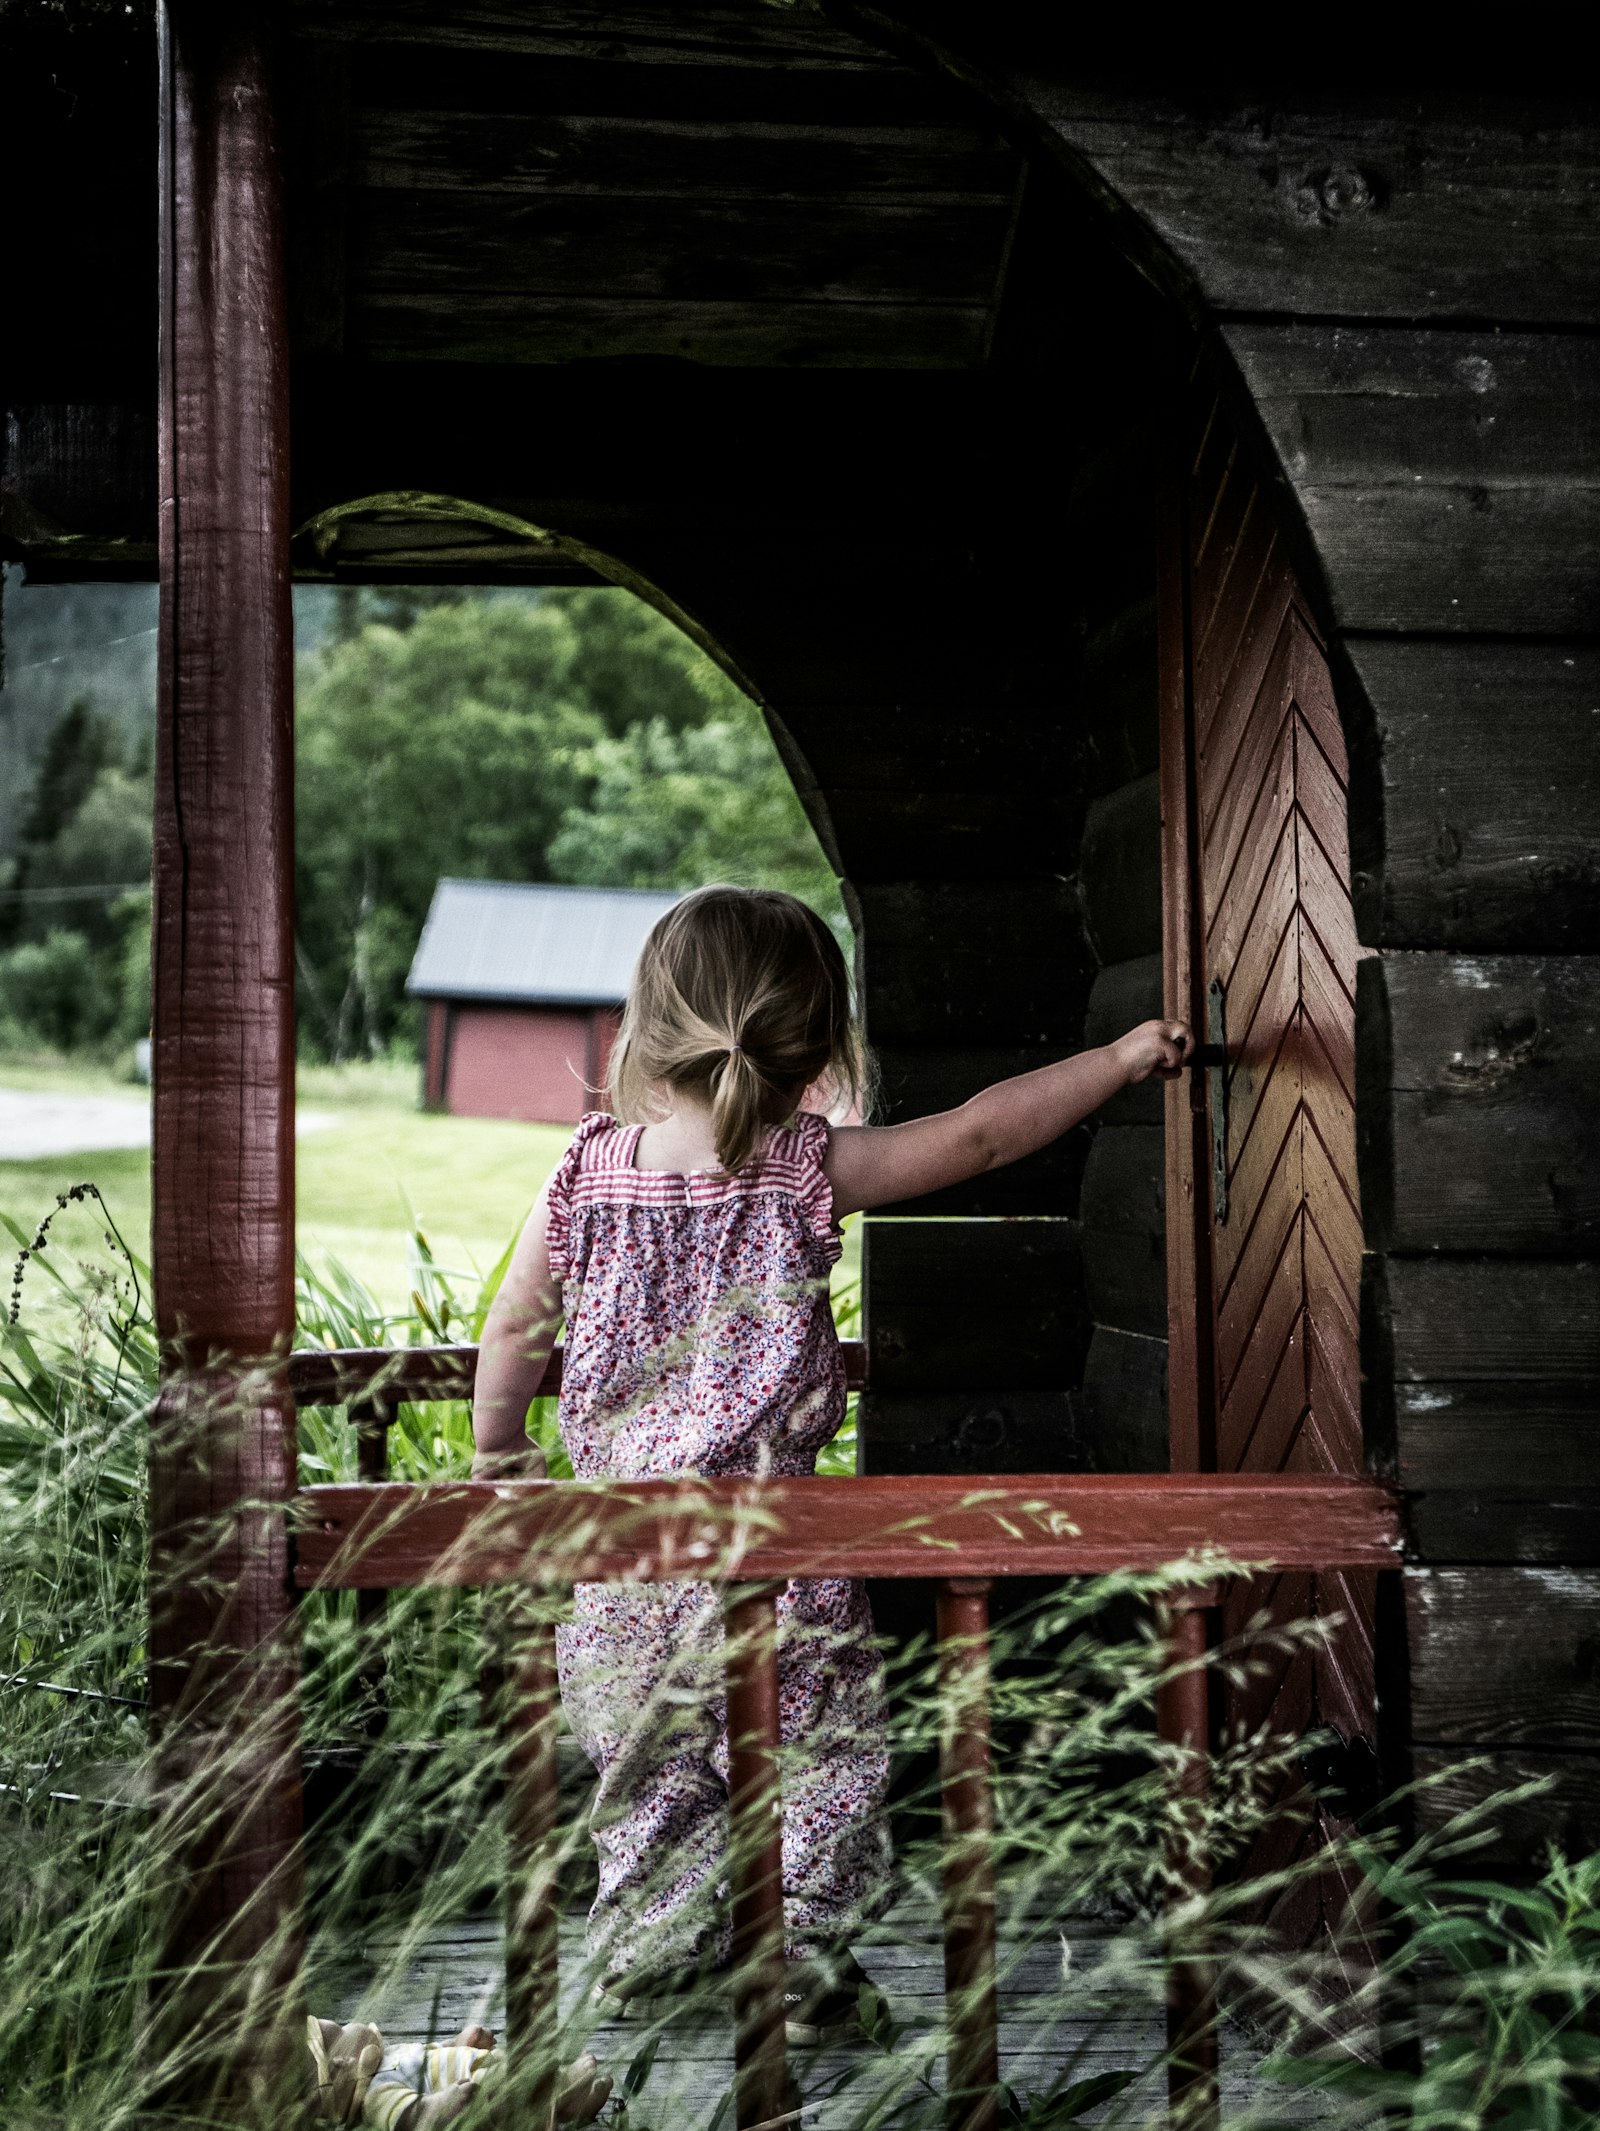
{"type": "Point", "coordinates": [687, 1240]}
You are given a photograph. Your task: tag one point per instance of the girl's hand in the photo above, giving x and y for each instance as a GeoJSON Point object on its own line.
{"type": "Point", "coordinates": [1154, 1047]}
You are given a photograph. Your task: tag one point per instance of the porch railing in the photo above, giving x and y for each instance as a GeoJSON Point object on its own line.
{"type": "Point", "coordinates": [749, 1537]}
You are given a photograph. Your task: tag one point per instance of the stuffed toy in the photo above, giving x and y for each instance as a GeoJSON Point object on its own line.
{"type": "Point", "coordinates": [423, 2086]}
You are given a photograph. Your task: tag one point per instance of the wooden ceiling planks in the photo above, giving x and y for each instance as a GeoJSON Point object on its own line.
{"type": "Point", "coordinates": [516, 187]}
{"type": "Point", "coordinates": [667, 34]}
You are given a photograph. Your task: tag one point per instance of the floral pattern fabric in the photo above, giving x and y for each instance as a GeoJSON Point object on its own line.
{"type": "Point", "coordinates": [700, 1339]}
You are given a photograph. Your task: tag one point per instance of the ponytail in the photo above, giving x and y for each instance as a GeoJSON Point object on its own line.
{"type": "Point", "coordinates": [740, 1101]}
{"type": "Point", "coordinates": [741, 999]}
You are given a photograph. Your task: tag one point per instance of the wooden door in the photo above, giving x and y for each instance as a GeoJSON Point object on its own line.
{"type": "Point", "coordinates": [1261, 954]}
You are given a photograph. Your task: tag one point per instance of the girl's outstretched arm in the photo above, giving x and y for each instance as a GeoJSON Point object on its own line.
{"type": "Point", "coordinates": [518, 1334]}
{"type": "Point", "coordinates": [875, 1165]}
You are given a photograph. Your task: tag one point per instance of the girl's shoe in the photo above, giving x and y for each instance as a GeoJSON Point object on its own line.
{"type": "Point", "coordinates": [831, 2000]}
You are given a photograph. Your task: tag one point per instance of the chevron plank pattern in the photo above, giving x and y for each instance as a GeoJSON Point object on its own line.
{"type": "Point", "coordinates": [1276, 927]}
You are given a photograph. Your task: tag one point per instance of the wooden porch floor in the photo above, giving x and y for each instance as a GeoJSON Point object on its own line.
{"type": "Point", "coordinates": [1051, 2036]}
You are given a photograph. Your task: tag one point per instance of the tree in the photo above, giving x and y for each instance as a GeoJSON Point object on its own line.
{"type": "Point", "coordinates": [80, 973]}
{"type": "Point", "coordinates": [105, 843]}
{"type": "Point", "coordinates": [677, 809]}
{"type": "Point", "coordinates": [51, 991]}
{"type": "Point", "coordinates": [453, 746]}
{"type": "Point", "coordinates": [79, 747]}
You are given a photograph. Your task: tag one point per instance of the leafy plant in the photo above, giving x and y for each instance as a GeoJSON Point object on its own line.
{"type": "Point", "coordinates": [1503, 1983]}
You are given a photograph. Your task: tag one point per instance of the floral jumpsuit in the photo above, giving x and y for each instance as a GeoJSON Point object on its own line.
{"type": "Point", "coordinates": [700, 1340]}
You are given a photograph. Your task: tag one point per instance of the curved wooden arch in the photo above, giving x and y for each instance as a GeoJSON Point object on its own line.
{"type": "Point", "coordinates": [481, 536]}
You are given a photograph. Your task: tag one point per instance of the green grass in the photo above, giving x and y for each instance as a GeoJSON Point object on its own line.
{"type": "Point", "coordinates": [379, 1170]}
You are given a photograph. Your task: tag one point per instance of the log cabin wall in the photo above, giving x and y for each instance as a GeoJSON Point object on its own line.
{"type": "Point", "coordinates": [1392, 256]}
{"type": "Point", "coordinates": [982, 938]}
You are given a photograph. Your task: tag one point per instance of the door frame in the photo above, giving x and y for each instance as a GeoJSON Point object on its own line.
{"type": "Point", "coordinates": [1191, 1399]}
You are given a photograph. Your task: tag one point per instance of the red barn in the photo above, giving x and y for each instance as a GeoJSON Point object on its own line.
{"type": "Point", "coordinates": [524, 989]}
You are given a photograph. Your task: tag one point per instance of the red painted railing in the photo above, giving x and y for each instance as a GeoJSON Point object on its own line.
{"type": "Point", "coordinates": [748, 1536]}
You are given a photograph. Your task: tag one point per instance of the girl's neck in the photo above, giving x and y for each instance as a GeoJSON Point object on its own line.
{"type": "Point", "coordinates": [680, 1142]}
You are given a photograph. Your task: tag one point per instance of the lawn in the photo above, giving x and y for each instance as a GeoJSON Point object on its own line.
{"type": "Point", "coordinates": [372, 1168]}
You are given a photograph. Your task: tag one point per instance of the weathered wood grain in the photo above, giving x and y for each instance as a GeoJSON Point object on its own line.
{"type": "Point", "coordinates": [1360, 205]}
{"type": "Point", "coordinates": [943, 960]}
{"type": "Point", "coordinates": [1385, 403]}
{"type": "Point", "coordinates": [1123, 1217]}
{"type": "Point", "coordinates": [1565, 1811]}
{"type": "Point", "coordinates": [320, 157]}
{"type": "Point", "coordinates": [458, 248]}
{"type": "Point", "coordinates": [953, 1305]}
{"type": "Point", "coordinates": [1119, 871]}
{"type": "Point", "coordinates": [1479, 1083]}
{"type": "Point", "coordinates": [917, 1083]}
{"type": "Point", "coordinates": [1447, 478]}
{"type": "Point", "coordinates": [419, 1989]}
{"type": "Point", "coordinates": [1449, 481]}
{"type": "Point", "coordinates": [1482, 1399]}
{"type": "Point", "coordinates": [1123, 995]}
{"type": "Point", "coordinates": [1517, 1437]}
{"type": "Point", "coordinates": [83, 471]}
{"type": "Point", "coordinates": [722, 331]}
{"type": "Point", "coordinates": [1494, 1322]}
{"type": "Point", "coordinates": [602, 153]}
{"type": "Point", "coordinates": [226, 2017]}
{"type": "Point", "coordinates": [969, 1432]}
{"type": "Point", "coordinates": [1550, 1525]}
{"type": "Point", "coordinates": [728, 80]}
{"type": "Point", "coordinates": [1504, 1656]}
{"type": "Point", "coordinates": [471, 1533]}
{"type": "Point", "coordinates": [729, 36]}
{"type": "Point", "coordinates": [1122, 1407]}
{"type": "Point", "coordinates": [1477, 829]}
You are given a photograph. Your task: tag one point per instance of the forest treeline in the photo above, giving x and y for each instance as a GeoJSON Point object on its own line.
{"type": "Point", "coordinates": [568, 734]}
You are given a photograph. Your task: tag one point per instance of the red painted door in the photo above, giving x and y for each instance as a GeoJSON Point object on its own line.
{"type": "Point", "coordinates": [1269, 941]}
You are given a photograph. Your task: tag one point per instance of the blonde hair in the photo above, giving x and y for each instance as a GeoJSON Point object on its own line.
{"type": "Point", "coordinates": [741, 999]}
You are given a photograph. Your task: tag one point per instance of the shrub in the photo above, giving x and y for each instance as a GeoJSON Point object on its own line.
{"type": "Point", "coordinates": [51, 990]}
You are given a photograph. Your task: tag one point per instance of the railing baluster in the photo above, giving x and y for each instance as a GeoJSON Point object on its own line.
{"type": "Point", "coordinates": [761, 2081]}
{"type": "Point", "coordinates": [532, 1912]}
{"type": "Point", "coordinates": [1183, 1719]}
{"type": "Point", "coordinates": [372, 1419]}
{"type": "Point", "coordinates": [972, 2076]}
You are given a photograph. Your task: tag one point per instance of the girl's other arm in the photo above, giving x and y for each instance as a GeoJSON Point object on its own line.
{"type": "Point", "coordinates": [875, 1165]}
{"type": "Point", "coordinates": [518, 1334]}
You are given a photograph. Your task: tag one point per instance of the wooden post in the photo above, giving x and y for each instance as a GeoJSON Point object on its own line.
{"type": "Point", "coordinates": [533, 1808]}
{"type": "Point", "coordinates": [372, 1418]}
{"type": "Point", "coordinates": [223, 1653]}
{"type": "Point", "coordinates": [1183, 1719]}
{"type": "Point", "coordinates": [755, 1841]}
{"type": "Point", "coordinates": [972, 2080]}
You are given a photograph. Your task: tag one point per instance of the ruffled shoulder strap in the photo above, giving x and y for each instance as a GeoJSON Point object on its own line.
{"type": "Point", "coordinates": [595, 1137]}
{"type": "Point", "coordinates": [805, 1144]}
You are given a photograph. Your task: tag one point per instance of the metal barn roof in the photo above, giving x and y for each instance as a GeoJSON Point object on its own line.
{"type": "Point", "coordinates": [533, 945]}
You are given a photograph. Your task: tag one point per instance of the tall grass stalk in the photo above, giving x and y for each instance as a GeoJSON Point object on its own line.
{"type": "Point", "coordinates": [1491, 1988]}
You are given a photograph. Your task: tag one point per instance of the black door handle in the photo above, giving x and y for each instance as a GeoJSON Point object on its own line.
{"type": "Point", "coordinates": [1213, 1056]}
